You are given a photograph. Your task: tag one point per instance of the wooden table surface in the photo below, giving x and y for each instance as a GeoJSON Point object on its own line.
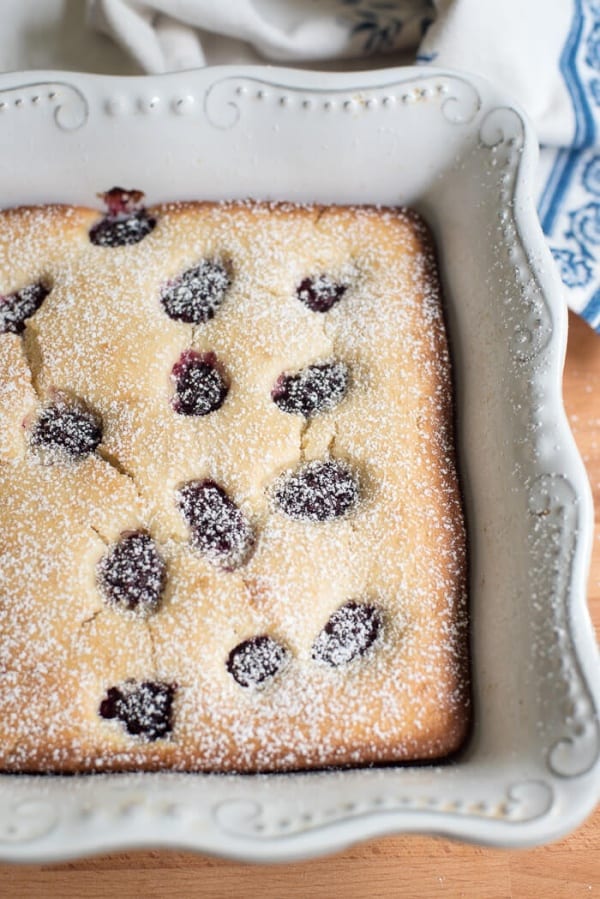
{"type": "Point", "coordinates": [407, 867]}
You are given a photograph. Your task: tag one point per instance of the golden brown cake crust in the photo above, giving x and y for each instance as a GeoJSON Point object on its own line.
{"type": "Point", "coordinates": [102, 336]}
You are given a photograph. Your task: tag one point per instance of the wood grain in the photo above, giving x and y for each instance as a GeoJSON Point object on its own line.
{"type": "Point", "coordinates": [407, 867]}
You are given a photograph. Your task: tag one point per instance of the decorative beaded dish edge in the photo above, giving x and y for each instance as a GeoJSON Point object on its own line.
{"type": "Point", "coordinates": [456, 149]}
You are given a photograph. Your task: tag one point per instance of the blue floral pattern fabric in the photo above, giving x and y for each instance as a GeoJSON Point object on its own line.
{"type": "Point", "coordinates": [569, 203]}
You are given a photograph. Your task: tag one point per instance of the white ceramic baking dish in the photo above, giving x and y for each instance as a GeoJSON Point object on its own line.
{"type": "Point", "coordinates": [458, 150]}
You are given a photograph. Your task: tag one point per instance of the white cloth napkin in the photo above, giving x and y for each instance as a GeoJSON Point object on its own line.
{"type": "Point", "coordinates": [546, 53]}
{"type": "Point", "coordinates": [164, 35]}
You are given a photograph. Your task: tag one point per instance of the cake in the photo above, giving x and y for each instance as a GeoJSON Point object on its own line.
{"type": "Point", "coordinates": [231, 531]}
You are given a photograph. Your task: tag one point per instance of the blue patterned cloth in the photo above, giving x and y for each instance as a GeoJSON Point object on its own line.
{"type": "Point", "coordinates": [546, 53]}
{"type": "Point", "coordinates": [569, 203]}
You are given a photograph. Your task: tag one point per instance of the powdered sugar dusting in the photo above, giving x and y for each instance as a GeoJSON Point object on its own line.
{"type": "Point", "coordinates": [256, 661]}
{"type": "Point", "coordinates": [349, 634]}
{"type": "Point", "coordinates": [317, 491]}
{"type": "Point", "coordinates": [66, 427]}
{"type": "Point", "coordinates": [315, 389]}
{"type": "Point", "coordinates": [196, 295]}
{"type": "Point", "coordinates": [218, 528]}
{"type": "Point", "coordinates": [132, 574]}
{"type": "Point", "coordinates": [16, 308]}
{"type": "Point", "coordinates": [103, 336]}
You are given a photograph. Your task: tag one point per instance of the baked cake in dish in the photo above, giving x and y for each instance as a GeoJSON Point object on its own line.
{"type": "Point", "coordinates": [231, 532]}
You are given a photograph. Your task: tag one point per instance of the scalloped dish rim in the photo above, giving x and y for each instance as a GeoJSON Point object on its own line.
{"type": "Point", "coordinates": [544, 794]}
